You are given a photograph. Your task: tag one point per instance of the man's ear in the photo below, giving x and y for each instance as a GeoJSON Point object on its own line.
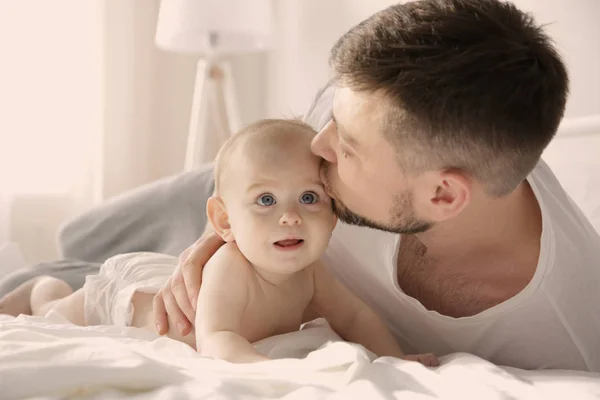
{"type": "Point", "coordinates": [218, 218]}
{"type": "Point", "coordinates": [448, 193]}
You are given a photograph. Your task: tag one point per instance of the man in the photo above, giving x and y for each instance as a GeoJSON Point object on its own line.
{"type": "Point", "coordinates": [437, 119]}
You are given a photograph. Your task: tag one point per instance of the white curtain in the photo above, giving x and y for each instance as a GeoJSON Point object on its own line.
{"type": "Point", "coordinates": [90, 109]}
{"type": "Point", "coordinates": [51, 115]}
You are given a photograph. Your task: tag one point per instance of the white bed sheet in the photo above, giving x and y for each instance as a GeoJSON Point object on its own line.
{"type": "Point", "coordinates": [46, 358]}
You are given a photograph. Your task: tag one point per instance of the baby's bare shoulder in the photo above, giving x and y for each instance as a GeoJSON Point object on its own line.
{"type": "Point", "coordinates": [227, 263]}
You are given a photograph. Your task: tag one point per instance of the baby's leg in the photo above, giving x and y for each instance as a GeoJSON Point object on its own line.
{"type": "Point", "coordinates": [143, 317]}
{"type": "Point", "coordinates": [39, 295]}
{"type": "Point", "coordinates": [54, 294]}
{"type": "Point", "coordinates": [18, 301]}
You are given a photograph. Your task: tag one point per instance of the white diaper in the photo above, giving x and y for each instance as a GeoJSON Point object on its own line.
{"type": "Point", "coordinates": [108, 294]}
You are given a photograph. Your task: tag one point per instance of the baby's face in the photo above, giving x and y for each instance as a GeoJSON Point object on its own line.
{"type": "Point", "coordinates": [279, 214]}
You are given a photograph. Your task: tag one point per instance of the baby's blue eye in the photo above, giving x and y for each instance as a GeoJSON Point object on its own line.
{"type": "Point", "coordinates": [309, 198]}
{"type": "Point", "coordinates": [266, 200]}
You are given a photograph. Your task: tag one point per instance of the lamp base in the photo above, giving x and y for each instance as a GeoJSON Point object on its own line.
{"type": "Point", "coordinates": [214, 116]}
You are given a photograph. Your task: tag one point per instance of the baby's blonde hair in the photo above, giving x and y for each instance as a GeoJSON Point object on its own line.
{"type": "Point", "coordinates": [265, 134]}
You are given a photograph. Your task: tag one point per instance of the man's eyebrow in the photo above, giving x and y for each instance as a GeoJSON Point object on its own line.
{"type": "Point", "coordinates": [343, 133]}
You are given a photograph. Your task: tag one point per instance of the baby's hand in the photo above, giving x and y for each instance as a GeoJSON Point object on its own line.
{"type": "Point", "coordinates": [428, 360]}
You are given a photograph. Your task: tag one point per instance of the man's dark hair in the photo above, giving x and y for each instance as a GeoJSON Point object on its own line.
{"type": "Point", "coordinates": [474, 85]}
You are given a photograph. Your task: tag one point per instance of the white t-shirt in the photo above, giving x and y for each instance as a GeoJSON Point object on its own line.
{"type": "Point", "coordinates": [553, 323]}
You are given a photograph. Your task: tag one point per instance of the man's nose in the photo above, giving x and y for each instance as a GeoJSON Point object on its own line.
{"type": "Point", "coordinates": [321, 143]}
{"type": "Point", "coordinates": [290, 218]}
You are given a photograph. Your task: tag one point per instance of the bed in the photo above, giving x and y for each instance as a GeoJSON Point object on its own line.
{"type": "Point", "coordinates": [49, 358]}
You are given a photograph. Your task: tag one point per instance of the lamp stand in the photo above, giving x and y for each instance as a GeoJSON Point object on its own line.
{"type": "Point", "coordinates": [215, 115]}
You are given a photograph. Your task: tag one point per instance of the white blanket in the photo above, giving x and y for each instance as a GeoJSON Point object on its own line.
{"type": "Point", "coordinates": [48, 358]}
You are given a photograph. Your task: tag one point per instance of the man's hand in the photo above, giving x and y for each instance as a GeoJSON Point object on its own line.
{"type": "Point", "coordinates": [178, 297]}
{"type": "Point", "coordinates": [428, 360]}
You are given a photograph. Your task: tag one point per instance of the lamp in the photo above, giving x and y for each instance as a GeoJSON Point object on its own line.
{"type": "Point", "coordinates": [215, 30]}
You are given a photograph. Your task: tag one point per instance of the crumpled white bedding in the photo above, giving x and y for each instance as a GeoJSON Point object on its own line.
{"type": "Point", "coordinates": [49, 358]}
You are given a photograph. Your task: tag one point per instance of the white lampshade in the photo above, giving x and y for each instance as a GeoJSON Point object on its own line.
{"type": "Point", "coordinates": [214, 27]}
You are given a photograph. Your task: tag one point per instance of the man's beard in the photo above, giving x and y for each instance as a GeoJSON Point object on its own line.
{"type": "Point", "coordinates": [403, 219]}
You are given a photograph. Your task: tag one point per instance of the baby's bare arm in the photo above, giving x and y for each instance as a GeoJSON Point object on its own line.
{"type": "Point", "coordinates": [230, 346]}
{"type": "Point", "coordinates": [349, 316]}
{"type": "Point", "coordinates": [221, 305]}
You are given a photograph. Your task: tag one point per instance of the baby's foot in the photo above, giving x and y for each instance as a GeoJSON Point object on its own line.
{"type": "Point", "coordinates": [18, 301]}
{"type": "Point", "coordinates": [428, 360]}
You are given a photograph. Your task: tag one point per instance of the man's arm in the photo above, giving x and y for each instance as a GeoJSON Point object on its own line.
{"type": "Point", "coordinates": [349, 316]}
{"type": "Point", "coordinates": [221, 306]}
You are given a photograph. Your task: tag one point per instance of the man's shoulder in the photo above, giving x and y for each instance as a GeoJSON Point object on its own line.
{"type": "Point", "coordinates": [559, 209]}
{"type": "Point", "coordinates": [569, 242]}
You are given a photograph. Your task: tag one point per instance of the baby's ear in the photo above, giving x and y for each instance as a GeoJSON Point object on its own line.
{"type": "Point", "coordinates": [218, 218]}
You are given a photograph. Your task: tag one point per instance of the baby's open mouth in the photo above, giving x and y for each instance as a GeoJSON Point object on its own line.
{"type": "Point", "coordinates": [289, 244]}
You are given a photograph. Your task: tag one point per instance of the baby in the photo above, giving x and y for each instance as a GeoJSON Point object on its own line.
{"type": "Point", "coordinates": [276, 219]}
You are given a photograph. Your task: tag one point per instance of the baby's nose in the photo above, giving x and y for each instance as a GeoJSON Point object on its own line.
{"type": "Point", "coordinates": [290, 217]}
